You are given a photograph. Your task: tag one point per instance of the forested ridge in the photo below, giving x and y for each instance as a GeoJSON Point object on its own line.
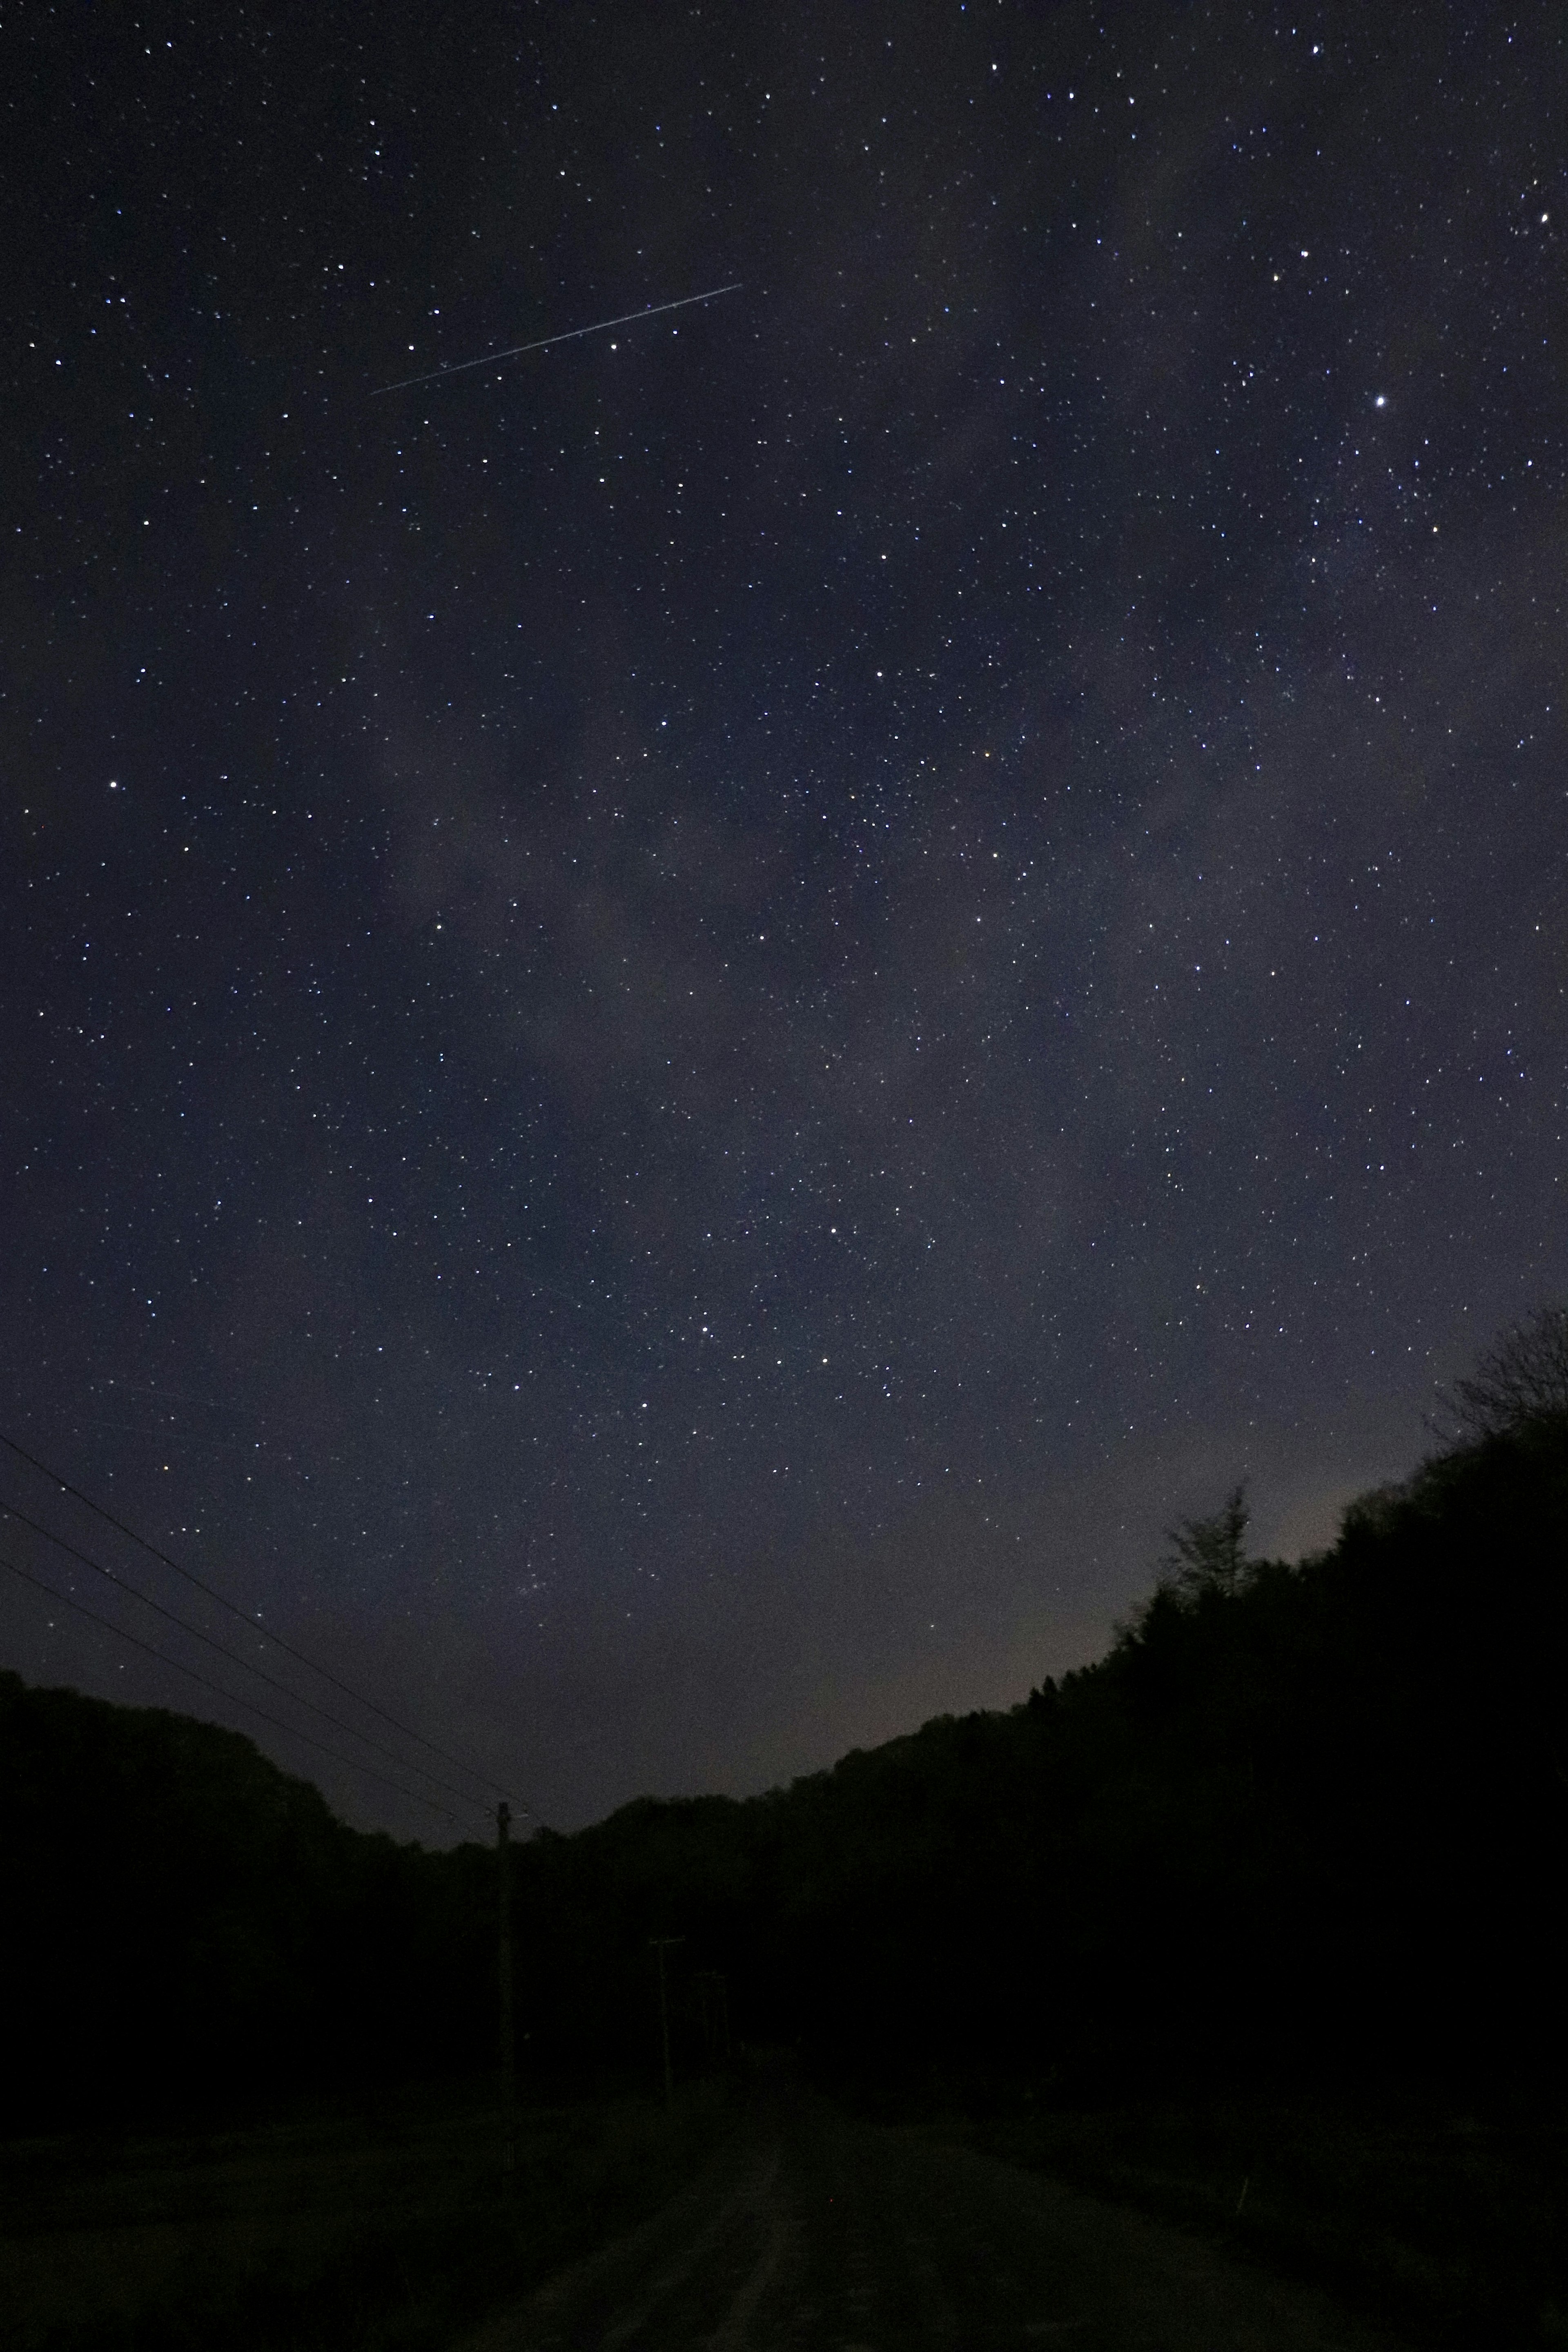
{"type": "Point", "coordinates": [1303, 1822]}
{"type": "Point", "coordinates": [1301, 1817]}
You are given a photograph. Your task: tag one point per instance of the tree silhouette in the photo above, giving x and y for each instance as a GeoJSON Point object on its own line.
{"type": "Point", "coordinates": [1209, 1555]}
{"type": "Point", "coordinates": [1520, 1382]}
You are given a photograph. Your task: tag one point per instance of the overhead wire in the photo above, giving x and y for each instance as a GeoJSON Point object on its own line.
{"type": "Point", "coordinates": [247, 1666]}
{"type": "Point", "coordinates": [405, 1730]}
{"type": "Point", "coordinates": [69, 1601]}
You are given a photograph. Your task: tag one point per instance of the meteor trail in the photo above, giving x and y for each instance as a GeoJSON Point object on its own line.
{"type": "Point", "coordinates": [572, 335]}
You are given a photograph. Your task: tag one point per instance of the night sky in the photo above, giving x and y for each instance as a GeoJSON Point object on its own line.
{"type": "Point", "coordinates": [696, 1024]}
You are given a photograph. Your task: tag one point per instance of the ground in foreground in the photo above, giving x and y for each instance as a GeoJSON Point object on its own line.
{"type": "Point", "coordinates": [810, 2231]}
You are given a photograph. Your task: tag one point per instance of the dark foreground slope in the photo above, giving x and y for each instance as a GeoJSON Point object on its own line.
{"type": "Point", "coordinates": [363, 2224]}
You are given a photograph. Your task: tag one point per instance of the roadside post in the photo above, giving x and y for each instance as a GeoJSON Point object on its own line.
{"type": "Point", "coordinates": [504, 1987]}
{"type": "Point", "coordinates": [661, 1944]}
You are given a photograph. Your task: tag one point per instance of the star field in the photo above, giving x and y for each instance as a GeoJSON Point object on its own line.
{"type": "Point", "coordinates": [697, 1023]}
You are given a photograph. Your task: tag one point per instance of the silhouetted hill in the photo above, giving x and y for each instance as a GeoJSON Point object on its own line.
{"type": "Point", "coordinates": [1302, 1823]}
{"type": "Point", "coordinates": [1310, 1821]}
{"type": "Point", "coordinates": [187, 1924]}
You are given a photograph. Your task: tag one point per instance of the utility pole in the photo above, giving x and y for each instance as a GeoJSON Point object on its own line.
{"type": "Point", "coordinates": [503, 1969]}
{"type": "Point", "coordinates": [661, 1944]}
{"type": "Point", "coordinates": [716, 2016]}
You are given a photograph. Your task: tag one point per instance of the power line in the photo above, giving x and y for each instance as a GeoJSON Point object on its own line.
{"type": "Point", "coordinates": [359, 1699]}
{"type": "Point", "coordinates": [416, 1796]}
{"type": "Point", "coordinates": [124, 1584]}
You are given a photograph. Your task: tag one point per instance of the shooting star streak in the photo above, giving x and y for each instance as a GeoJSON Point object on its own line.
{"type": "Point", "coordinates": [572, 334]}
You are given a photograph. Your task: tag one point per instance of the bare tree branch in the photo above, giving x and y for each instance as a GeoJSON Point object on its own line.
{"type": "Point", "coordinates": [1520, 1382]}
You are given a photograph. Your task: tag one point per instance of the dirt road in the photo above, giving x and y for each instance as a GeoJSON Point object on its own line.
{"type": "Point", "coordinates": [811, 2233]}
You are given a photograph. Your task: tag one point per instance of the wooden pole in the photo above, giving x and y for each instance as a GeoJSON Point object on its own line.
{"type": "Point", "coordinates": [661, 1944]}
{"type": "Point", "coordinates": [508, 2032]}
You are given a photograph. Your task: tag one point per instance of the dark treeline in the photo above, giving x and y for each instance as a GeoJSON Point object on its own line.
{"type": "Point", "coordinates": [185, 1924]}
{"type": "Point", "coordinates": [1302, 1823]}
